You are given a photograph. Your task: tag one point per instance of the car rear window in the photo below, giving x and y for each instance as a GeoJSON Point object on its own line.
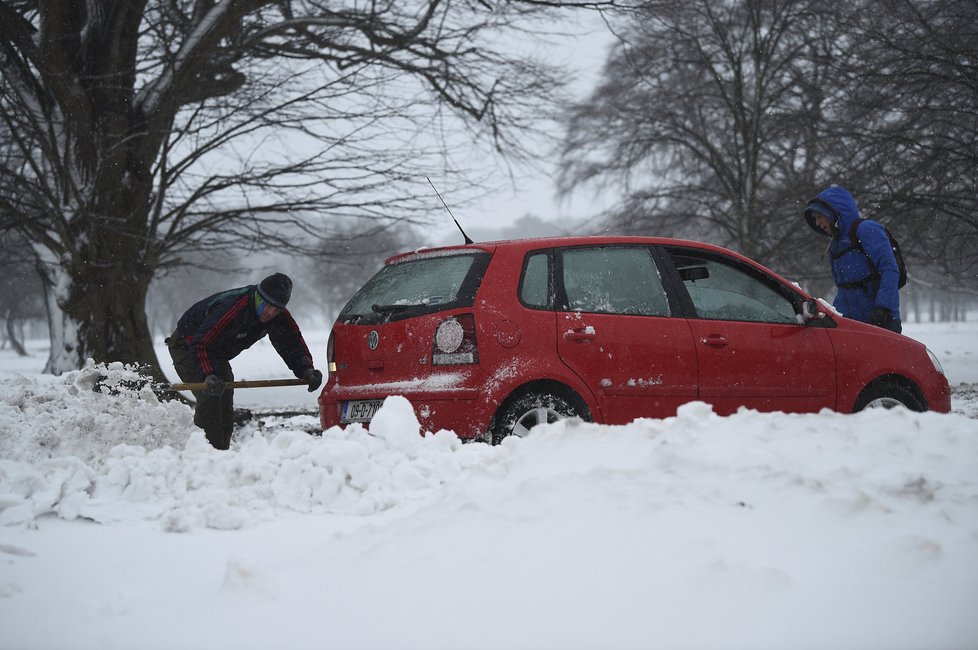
{"type": "Point", "coordinates": [420, 284]}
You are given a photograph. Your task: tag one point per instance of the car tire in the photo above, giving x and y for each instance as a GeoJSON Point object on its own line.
{"type": "Point", "coordinates": [520, 413]}
{"type": "Point", "coordinates": [887, 395]}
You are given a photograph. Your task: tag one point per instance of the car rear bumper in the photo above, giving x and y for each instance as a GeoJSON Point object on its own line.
{"type": "Point", "coordinates": [456, 409]}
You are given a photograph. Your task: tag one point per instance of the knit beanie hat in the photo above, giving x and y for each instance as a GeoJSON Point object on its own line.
{"type": "Point", "coordinates": [276, 289]}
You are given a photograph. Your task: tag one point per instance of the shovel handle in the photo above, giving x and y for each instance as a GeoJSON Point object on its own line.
{"type": "Point", "coordinates": [258, 383]}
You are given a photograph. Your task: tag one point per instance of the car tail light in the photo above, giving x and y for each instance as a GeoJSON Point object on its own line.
{"type": "Point", "coordinates": [455, 342]}
{"type": "Point", "coordinates": [330, 361]}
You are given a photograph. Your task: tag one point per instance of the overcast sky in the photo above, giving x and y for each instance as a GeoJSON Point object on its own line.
{"type": "Point", "coordinates": [535, 193]}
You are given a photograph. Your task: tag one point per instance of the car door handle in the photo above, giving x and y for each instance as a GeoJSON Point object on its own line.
{"type": "Point", "coordinates": [584, 335]}
{"type": "Point", "coordinates": [715, 341]}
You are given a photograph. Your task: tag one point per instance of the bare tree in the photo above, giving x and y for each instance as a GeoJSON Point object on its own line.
{"type": "Point", "coordinates": [136, 131]}
{"type": "Point", "coordinates": [703, 121]}
{"type": "Point", "coordinates": [348, 260]}
{"type": "Point", "coordinates": [21, 293]}
{"type": "Point", "coordinates": [719, 120]}
{"type": "Point", "coordinates": [911, 123]}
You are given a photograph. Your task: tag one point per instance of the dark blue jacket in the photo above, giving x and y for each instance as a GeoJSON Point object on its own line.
{"type": "Point", "coordinates": [219, 327]}
{"type": "Point", "coordinates": [850, 267]}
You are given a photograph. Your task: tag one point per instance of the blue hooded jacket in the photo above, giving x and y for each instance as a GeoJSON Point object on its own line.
{"type": "Point", "coordinates": [849, 264]}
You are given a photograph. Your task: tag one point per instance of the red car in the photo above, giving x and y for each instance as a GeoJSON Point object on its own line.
{"type": "Point", "coordinates": [489, 339]}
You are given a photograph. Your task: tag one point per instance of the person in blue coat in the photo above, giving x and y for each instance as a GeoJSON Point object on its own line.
{"type": "Point", "coordinates": [866, 276]}
{"type": "Point", "coordinates": [218, 328]}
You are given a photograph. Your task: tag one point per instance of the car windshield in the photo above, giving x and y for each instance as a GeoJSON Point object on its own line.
{"type": "Point", "coordinates": [418, 284]}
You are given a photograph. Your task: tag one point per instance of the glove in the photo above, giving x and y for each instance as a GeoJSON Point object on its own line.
{"type": "Point", "coordinates": [314, 377]}
{"type": "Point", "coordinates": [881, 317]}
{"type": "Point", "coordinates": [215, 387]}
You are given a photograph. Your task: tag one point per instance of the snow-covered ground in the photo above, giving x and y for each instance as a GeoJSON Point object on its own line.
{"type": "Point", "coordinates": [121, 528]}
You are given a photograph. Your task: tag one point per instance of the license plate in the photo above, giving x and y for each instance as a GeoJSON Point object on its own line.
{"type": "Point", "coordinates": [360, 410]}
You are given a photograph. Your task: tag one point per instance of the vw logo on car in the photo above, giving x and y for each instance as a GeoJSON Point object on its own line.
{"type": "Point", "coordinates": [373, 339]}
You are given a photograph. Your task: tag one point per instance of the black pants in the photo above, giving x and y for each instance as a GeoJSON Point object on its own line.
{"type": "Point", "coordinates": [215, 415]}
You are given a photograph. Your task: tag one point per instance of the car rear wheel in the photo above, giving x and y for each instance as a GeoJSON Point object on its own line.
{"type": "Point", "coordinates": [518, 415]}
{"type": "Point", "coordinates": [888, 395]}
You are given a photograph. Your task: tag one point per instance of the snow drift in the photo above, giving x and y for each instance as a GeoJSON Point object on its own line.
{"type": "Point", "coordinates": [755, 530]}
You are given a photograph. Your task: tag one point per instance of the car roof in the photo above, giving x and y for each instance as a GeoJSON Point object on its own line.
{"type": "Point", "coordinates": [537, 243]}
{"type": "Point", "coordinates": [534, 243]}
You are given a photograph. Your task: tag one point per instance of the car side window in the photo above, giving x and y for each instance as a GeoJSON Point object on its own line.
{"type": "Point", "coordinates": [614, 280]}
{"type": "Point", "coordinates": [534, 292]}
{"type": "Point", "coordinates": [721, 291]}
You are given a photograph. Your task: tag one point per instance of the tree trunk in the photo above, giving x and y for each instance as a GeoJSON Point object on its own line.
{"type": "Point", "coordinates": [99, 313]}
{"type": "Point", "coordinates": [15, 343]}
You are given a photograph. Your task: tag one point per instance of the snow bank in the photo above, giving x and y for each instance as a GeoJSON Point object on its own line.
{"type": "Point", "coordinates": [89, 445]}
{"type": "Point", "coordinates": [76, 447]}
{"type": "Point", "coordinates": [84, 414]}
{"type": "Point", "coordinates": [750, 531]}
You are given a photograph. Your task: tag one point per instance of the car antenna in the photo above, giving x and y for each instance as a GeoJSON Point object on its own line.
{"type": "Point", "coordinates": [464, 236]}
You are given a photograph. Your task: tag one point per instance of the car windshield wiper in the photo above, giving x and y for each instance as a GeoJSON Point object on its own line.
{"type": "Point", "coordinates": [393, 309]}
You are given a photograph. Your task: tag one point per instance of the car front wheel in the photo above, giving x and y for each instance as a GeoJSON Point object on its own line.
{"type": "Point", "coordinates": [887, 395]}
{"type": "Point", "coordinates": [520, 414]}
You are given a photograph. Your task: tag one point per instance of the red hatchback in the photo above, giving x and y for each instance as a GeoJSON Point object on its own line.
{"type": "Point", "coordinates": [489, 339]}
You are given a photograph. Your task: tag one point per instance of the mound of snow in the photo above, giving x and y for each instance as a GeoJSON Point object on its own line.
{"type": "Point", "coordinates": [756, 530]}
{"type": "Point", "coordinates": [85, 413]}
{"type": "Point", "coordinates": [89, 445]}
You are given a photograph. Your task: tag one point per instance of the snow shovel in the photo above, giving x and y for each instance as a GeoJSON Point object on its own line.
{"type": "Point", "coordinates": [258, 383]}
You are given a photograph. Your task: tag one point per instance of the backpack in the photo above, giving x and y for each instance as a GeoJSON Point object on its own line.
{"type": "Point", "coordinates": [858, 245]}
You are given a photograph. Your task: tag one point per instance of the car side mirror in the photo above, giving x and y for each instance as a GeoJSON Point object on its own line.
{"type": "Point", "coordinates": [810, 311]}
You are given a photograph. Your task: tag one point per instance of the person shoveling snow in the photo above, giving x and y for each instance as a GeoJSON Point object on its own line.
{"type": "Point", "coordinates": [217, 329]}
